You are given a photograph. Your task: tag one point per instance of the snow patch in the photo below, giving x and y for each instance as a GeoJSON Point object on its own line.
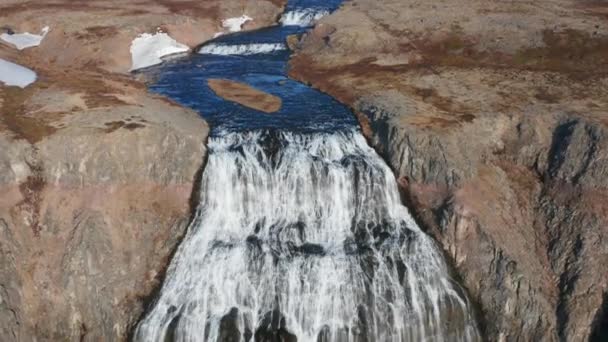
{"type": "Point", "coordinates": [148, 49]}
{"type": "Point", "coordinates": [243, 49]}
{"type": "Point", "coordinates": [13, 74]}
{"type": "Point", "coordinates": [25, 40]}
{"type": "Point", "coordinates": [235, 24]}
{"type": "Point", "coordinates": [303, 17]}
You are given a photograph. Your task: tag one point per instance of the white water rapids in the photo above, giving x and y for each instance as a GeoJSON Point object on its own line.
{"type": "Point", "coordinates": [303, 236]}
{"type": "Point", "coordinates": [241, 49]}
{"type": "Point", "coordinates": [302, 17]}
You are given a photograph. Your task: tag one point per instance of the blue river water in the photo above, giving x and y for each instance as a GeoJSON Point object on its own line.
{"type": "Point", "coordinates": [260, 59]}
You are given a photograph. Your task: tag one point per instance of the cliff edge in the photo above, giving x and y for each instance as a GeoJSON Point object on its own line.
{"type": "Point", "coordinates": [494, 118]}
{"type": "Point", "coordinates": [98, 177]}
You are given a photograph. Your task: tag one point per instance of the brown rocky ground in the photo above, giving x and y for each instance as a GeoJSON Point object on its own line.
{"type": "Point", "coordinates": [494, 116]}
{"type": "Point", "coordinates": [245, 95]}
{"type": "Point", "coordinates": [97, 176]}
{"type": "Point", "coordinates": [98, 33]}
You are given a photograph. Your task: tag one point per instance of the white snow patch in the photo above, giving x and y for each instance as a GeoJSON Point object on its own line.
{"type": "Point", "coordinates": [25, 40]}
{"type": "Point", "coordinates": [235, 24]}
{"type": "Point", "coordinates": [148, 49]}
{"type": "Point", "coordinates": [242, 49]}
{"type": "Point", "coordinates": [304, 17]}
{"type": "Point", "coordinates": [13, 74]}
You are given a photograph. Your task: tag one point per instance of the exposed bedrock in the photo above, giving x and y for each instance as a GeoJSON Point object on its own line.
{"type": "Point", "coordinates": [98, 35]}
{"type": "Point", "coordinates": [89, 216]}
{"type": "Point", "coordinates": [501, 149]}
{"type": "Point", "coordinates": [521, 211]}
{"type": "Point", "coordinates": [96, 174]}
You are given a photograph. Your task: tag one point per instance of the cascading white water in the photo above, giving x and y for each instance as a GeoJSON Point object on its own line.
{"type": "Point", "coordinates": [302, 17]}
{"type": "Point", "coordinates": [303, 236]}
{"type": "Point", "coordinates": [241, 49]}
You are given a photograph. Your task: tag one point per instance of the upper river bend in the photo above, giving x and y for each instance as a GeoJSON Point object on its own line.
{"type": "Point", "coordinates": [300, 234]}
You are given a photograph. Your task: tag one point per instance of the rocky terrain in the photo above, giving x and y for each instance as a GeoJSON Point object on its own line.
{"type": "Point", "coordinates": [97, 176]}
{"type": "Point", "coordinates": [245, 95]}
{"type": "Point", "coordinates": [98, 34]}
{"type": "Point", "coordinates": [494, 117]}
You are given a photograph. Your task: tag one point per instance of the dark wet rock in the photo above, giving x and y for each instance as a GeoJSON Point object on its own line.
{"type": "Point", "coordinates": [301, 228]}
{"type": "Point", "coordinates": [351, 246]}
{"type": "Point", "coordinates": [170, 336]}
{"type": "Point", "coordinates": [305, 249]}
{"type": "Point", "coordinates": [342, 334]}
{"type": "Point", "coordinates": [600, 324]}
{"type": "Point", "coordinates": [254, 247]}
{"type": "Point", "coordinates": [311, 249]}
{"type": "Point", "coordinates": [229, 327]}
{"type": "Point", "coordinates": [324, 334]}
{"type": "Point", "coordinates": [361, 331]}
{"type": "Point", "coordinates": [272, 144]}
{"type": "Point", "coordinates": [254, 241]}
{"type": "Point", "coordinates": [222, 245]}
{"type": "Point", "coordinates": [258, 227]}
{"type": "Point", "coordinates": [361, 232]}
{"type": "Point", "coordinates": [272, 329]}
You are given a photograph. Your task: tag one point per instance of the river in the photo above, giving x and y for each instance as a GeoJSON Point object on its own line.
{"type": "Point", "coordinates": [300, 234]}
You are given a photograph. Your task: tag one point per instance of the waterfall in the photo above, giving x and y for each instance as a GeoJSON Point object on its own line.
{"type": "Point", "coordinates": [304, 237]}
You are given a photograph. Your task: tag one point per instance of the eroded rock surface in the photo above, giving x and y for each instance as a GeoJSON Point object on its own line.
{"type": "Point", "coordinates": [494, 118]}
{"type": "Point", "coordinates": [97, 176]}
{"type": "Point", "coordinates": [245, 95]}
{"type": "Point", "coordinates": [98, 34]}
{"type": "Point", "coordinates": [95, 197]}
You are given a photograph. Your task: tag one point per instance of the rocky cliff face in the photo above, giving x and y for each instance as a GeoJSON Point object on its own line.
{"type": "Point", "coordinates": [90, 213]}
{"type": "Point", "coordinates": [520, 207]}
{"type": "Point", "coordinates": [493, 116]}
{"type": "Point", "coordinates": [96, 175]}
